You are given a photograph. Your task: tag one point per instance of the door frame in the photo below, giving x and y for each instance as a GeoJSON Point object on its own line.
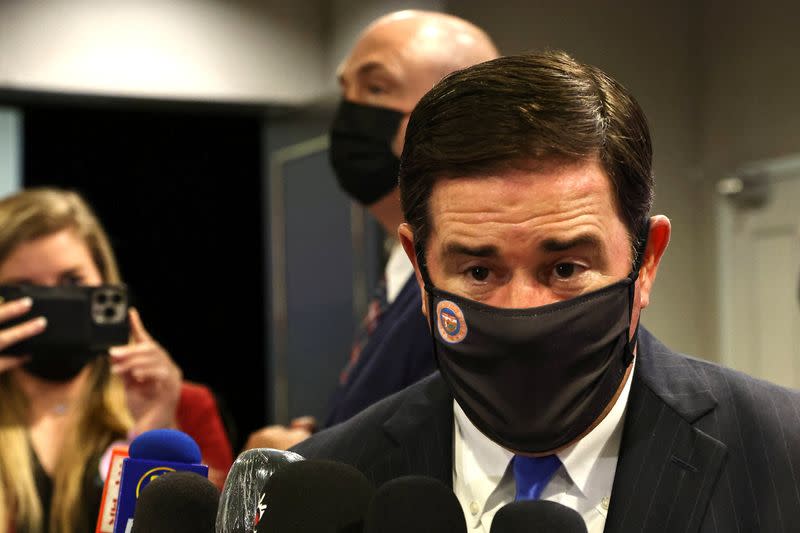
{"type": "Point", "coordinates": [278, 333]}
{"type": "Point", "coordinates": [753, 174]}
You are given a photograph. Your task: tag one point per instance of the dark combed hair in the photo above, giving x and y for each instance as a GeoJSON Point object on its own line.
{"type": "Point", "coordinates": [516, 110]}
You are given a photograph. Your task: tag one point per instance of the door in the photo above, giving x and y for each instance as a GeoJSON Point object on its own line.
{"type": "Point", "coordinates": [324, 253]}
{"type": "Point", "coordinates": [760, 291]}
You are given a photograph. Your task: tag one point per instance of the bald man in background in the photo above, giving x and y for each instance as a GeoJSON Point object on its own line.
{"type": "Point", "coordinates": [395, 61]}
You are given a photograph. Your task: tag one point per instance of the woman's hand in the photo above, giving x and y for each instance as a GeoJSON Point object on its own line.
{"type": "Point", "coordinates": [20, 332]}
{"type": "Point", "coordinates": [152, 380]}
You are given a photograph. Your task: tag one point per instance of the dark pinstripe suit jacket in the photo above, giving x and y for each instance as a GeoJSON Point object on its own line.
{"type": "Point", "coordinates": [704, 448]}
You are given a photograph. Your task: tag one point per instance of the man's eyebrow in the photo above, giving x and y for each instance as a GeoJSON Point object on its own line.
{"type": "Point", "coordinates": [366, 69]}
{"type": "Point", "coordinates": [374, 67]}
{"type": "Point", "coordinates": [457, 248]}
{"type": "Point", "coordinates": [558, 245]}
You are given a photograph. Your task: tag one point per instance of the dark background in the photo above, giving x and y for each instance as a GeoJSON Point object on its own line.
{"type": "Point", "coordinates": [180, 194]}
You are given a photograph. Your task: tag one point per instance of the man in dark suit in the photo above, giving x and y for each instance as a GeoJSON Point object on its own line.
{"type": "Point", "coordinates": [395, 61]}
{"type": "Point", "coordinates": [527, 184]}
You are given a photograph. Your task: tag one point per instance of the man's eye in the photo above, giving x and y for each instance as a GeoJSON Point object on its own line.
{"type": "Point", "coordinates": [375, 89]}
{"type": "Point", "coordinates": [565, 270]}
{"type": "Point", "coordinates": [479, 273]}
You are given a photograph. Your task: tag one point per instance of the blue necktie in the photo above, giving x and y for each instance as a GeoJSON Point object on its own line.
{"type": "Point", "coordinates": [532, 474]}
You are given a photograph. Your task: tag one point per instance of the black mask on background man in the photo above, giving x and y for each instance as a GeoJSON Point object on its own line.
{"type": "Point", "coordinates": [361, 152]}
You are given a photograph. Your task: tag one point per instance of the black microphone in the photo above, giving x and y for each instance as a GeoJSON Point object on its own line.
{"type": "Point", "coordinates": [244, 499]}
{"type": "Point", "coordinates": [414, 503]}
{"type": "Point", "coordinates": [178, 502]}
{"type": "Point", "coordinates": [316, 496]}
{"type": "Point", "coordinates": [539, 516]}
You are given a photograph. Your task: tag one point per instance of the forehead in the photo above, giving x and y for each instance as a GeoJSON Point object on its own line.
{"type": "Point", "coordinates": [60, 250]}
{"type": "Point", "coordinates": [542, 195]}
{"type": "Point", "coordinates": [408, 49]}
{"type": "Point", "coordinates": [377, 48]}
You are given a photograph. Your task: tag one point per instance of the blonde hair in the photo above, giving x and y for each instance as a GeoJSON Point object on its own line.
{"type": "Point", "coordinates": [102, 413]}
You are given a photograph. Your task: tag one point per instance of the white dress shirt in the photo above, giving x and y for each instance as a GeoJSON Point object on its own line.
{"type": "Point", "coordinates": [484, 482]}
{"type": "Point", "coordinates": [398, 270]}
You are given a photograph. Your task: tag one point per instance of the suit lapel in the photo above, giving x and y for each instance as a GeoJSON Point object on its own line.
{"type": "Point", "coordinates": [667, 468]}
{"type": "Point", "coordinates": [422, 430]}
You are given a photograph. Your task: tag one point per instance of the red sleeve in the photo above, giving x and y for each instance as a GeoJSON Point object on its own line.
{"type": "Point", "coordinates": [197, 416]}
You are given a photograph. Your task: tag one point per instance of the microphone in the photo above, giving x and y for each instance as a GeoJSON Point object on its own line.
{"type": "Point", "coordinates": [151, 455]}
{"type": "Point", "coordinates": [414, 503]}
{"type": "Point", "coordinates": [243, 499]}
{"type": "Point", "coordinates": [541, 516]}
{"type": "Point", "coordinates": [178, 502]}
{"type": "Point", "coordinates": [316, 496]}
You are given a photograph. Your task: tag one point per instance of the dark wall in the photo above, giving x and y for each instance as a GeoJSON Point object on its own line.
{"type": "Point", "coordinates": [180, 193]}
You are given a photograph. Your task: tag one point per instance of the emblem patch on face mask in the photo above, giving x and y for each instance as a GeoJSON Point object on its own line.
{"type": "Point", "coordinates": [451, 323]}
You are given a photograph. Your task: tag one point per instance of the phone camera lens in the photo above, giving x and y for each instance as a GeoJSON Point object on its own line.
{"type": "Point", "coordinates": [101, 298]}
{"type": "Point", "coordinates": [109, 312]}
{"type": "Point", "coordinates": [116, 298]}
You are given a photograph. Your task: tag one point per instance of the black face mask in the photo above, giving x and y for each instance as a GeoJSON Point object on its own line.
{"type": "Point", "coordinates": [59, 364]}
{"type": "Point", "coordinates": [533, 380]}
{"type": "Point", "coordinates": [361, 152]}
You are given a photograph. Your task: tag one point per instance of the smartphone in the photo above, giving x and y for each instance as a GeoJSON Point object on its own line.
{"type": "Point", "coordinates": [78, 317]}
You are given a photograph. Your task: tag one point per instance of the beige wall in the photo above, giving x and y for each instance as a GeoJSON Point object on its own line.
{"type": "Point", "coordinates": [749, 106]}
{"type": "Point", "coordinates": [263, 51]}
{"type": "Point", "coordinates": [750, 95]}
{"type": "Point", "coordinates": [253, 51]}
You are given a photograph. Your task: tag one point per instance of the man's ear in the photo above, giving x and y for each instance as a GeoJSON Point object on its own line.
{"type": "Point", "coordinates": [406, 236]}
{"type": "Point", "coordinates": [657, 241]}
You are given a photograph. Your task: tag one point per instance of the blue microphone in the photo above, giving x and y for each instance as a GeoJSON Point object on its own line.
{"type": "Point", "coordinates": [151, 455]}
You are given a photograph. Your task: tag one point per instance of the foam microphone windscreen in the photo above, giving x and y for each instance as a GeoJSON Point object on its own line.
{"type": "Point", "coordinates": [244, 497]}
{"type": "Point", "coordinates": [152, 455]}
{"type": "Point", "coordinates": [178, 502]}
{"type": "Point", "coordinates": [414, 503]}
{"type": "Point", "coordinates": [537, 516]}
{"type": "Point", "coordinates": [165, 445]}
{"type": "Point", "coordinates": [316, 496]}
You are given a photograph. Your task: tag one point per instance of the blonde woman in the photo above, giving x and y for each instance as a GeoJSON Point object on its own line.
{"type": "Point", "coordinates": [56, 422]}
